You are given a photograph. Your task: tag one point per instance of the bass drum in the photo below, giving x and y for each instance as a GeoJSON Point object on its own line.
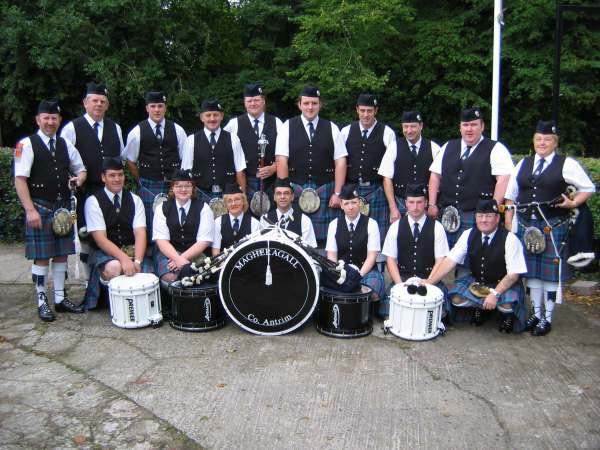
{"type": "Point", "coordinates": [269, 285]}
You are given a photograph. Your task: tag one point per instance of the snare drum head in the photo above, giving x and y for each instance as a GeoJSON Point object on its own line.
{"type": "Point", "coordinates": [137, 281]}
{"type": "Point", "coordinates": [269, 309]}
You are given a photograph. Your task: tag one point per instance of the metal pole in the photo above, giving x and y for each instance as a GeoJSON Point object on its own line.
{"type": "Point", "coordinates": [557, 49]}
{"type": "Point", "coordinates": [498, 22]}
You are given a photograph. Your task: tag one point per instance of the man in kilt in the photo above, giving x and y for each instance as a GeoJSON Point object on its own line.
{"type": "Point", "coordinates": [543, 178]}
{"type": "Point", "coordinates": [43, 164]}
{"type": "Point", "coordinates": [466, 170]}
{"type": "Point", "coordinates": [311, 152]}
{"type": "Point", "coordinates": [95, 137]}
{"type": "Point", "coordinates": [116, 221]}
{"type": "Point", "coordinates": [214, 156]}
{"type": "Point", "coordinates": [367, 140]}
{"type": "Point", "coordinates": [354, 238]}
{"type": "Point", "coordinates": [249, 128]}
{"type": "Point", "coordinates": [496, 263]}
{"type": "Point", "coordinates": [154, 149]}
{"type": "Point", "coordinates": [407, 162]}
{"type": "Point", "coordinates": [415, 246]}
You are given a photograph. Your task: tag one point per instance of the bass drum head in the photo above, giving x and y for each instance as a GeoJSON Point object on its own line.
{"type": "Point", "coordinates": [278, 308]}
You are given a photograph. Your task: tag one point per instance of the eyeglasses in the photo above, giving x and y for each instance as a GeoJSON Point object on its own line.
{"type": "Point", "coordinates": [182, 187]}
{"type": "Point", "coordinates": [414, 289]}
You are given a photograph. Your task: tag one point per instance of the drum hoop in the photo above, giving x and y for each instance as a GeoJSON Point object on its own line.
{"type": "Point", "coordinates": [192, 291]}
{"type": "Point", "coordinates": [307, 192]}
{"type": "Point", "coordinates": [281, 239]}
{"type": "Point", "coordinates": [144, 280]}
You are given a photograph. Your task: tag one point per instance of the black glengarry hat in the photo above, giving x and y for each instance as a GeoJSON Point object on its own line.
{"type": "Point", "coordinates": [488, 205]}
{"type": "Point", "coordinates": [469, 114]}
{"type": "Point", "coordinates": [253, 90]}
{"type": "Point", "coordinates": [365, 99]}
{"type": "Point", "coordinates": [416, 190]}
{"type": "Point", "coordinates": [181, 175]}
{"type": "Point", "coordinates": [412, 117]}
{"type": "Point", "coordinates": [112, 163]}
{"type": "Point", "coordinates": [349, 191]}
{"type": "Point", "coordinates": [310, 91]}
{"type": "Point", "coordinates": [232, 188]}
{"type": "Point", "coordinates": [210, 105]}
{"type": "Point", "coordinates": [48, 107]}
{"type": "Point", "coordinates": [156, 97]}
{"type": "Point", "coordinates": [283, 182]}
{"type": "Point", "coordinates": [96, 88]}
{"type": "Point", "coordinates": [546, 127]}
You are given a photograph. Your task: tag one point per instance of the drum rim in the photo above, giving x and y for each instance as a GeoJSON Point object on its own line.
{"type": "Point", "coordinates": [152, 281]}
{"type": "Point", "coordinates": [282, 239]}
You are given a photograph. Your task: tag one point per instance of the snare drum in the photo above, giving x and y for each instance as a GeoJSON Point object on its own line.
{"type": "Point", "coordinates": [196, 308]}
{"type": "Point", "coordinates": [165, 295]}
{"type": "Point", "coordinates": [343, 314]}
{"type": "Point", "coordinates": [414, 316]}
{"type": "Point", "coordinates": [269, 285]}
{"type": "Point", "coordinates": [135, 301]}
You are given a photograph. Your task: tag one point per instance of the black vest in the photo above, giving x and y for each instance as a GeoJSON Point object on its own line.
{"type": "Point", "coordinates": [249, 141]}
{"type": "Point", "coordinates": [311, 160]}
{"type": "Point", "coordinates": [93, 151]}
{"type": "Point", "coordinates": [411, 170]}
{"type": "Point", "coordinates": [182, 237]}
{"type": "Point", "coordinates": [465, 182]}
{"type": "Point", "coordinates": [49, 175]}
{"type": "Point", "coordinates": [294, 225]}
{"type": "Point", "coordinates": [549, 185]}
{"type": "Point", "coordinates": [158, 159]}
{"type": "Point", "coordinates": [119, 226]}
{"type": "Point", "coordinates": [227, 236]}
{"type": "Point", "coordinates": [364, 158]}
{"type": "Point", "coordinates": [213, 166]}
{"type": "Point", "coordinates": [416, 258]}
{"type": "Point", "coordinates": [487, 267]}
{"type": "Point", "coordinates": [353, 250]}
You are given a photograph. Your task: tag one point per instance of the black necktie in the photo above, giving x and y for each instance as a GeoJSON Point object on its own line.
{"type": "Point", "coordinates": [467, 153]}
{"type": "Point", "coordinates": [364, 137]}
{"type": "Point", "coordinates": [416, 231]}
{"type": "Point", "coordinates": [213, 141]}
{"type": "Point", "coordinates": [538, 171]}
{"type": "Point", "coordinates": [183, 214]}
{"type": "Point", "coordinates": [351, 228]}
{"type": "Point", "coordinates": [52, 149]}
{"type": "Point", "coordinates": [311, 130]}
{"type": "Point", "coordinates": [96, 127]}
{"type": "Point", "coordinates": [236, 226]}
{"type": "Point", "coordinates": [117, 203]}
{"type": "Point", "coordinates": [413, 149]}
{"type": "Point", "coordinates": [256, 126]}
{"type": "Point", "coordinates": [486, 241]}
{"type": "Point", "coordinates": [158, 134]}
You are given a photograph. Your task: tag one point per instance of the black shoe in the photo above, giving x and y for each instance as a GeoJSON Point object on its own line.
{"type": "Point", "coordinates": [507, 323]}
{"type": "Point", "coordinates": [44, 310]}
{"type": "Point", "coordinates": [531, 323]}
{"type": "Point", "coordinates": [67, 306]}
{"type": "Point", "coordinates": [542, 328]}
{"type": "Point", "coordinates": [477, 317]}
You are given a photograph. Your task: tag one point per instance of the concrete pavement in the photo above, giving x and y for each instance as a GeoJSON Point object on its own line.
{"type": "Point", "coordinates": [80, 382]}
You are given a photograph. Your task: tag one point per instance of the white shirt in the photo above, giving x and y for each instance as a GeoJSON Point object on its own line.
{"type": "Point", "coordinates": [500, 158]}
{"type": "Point", "coordinates": [386, 168]}
{"type": "Point", "coordinates": [232, 125]}
{"type": "Point", "coordinates": [440, 244]}
{"type": "Point", "coordinates": [217, 236]}
{"type": "Point", "coordinates": [24, 162]}
{"type": "Point", "coordinates": [132, 149]}
{"type": "Point", "coordinates": [572, 173]}
{"type": "Point", "coordinates": [94, 218]}
{"type": "Point", "coordinates": [160, 230]}
{"type": "Point", "coordinates": [239, 160]}
{"type": "Point", "coordinates": [308, 232]}
{"type": "Point", "coordinates": [373, 240]}
{"type": "Point", "coordinates": [282, 148]}
{"type": "Point", "coordinates": [513, 252]}
{"type": "Point", "coordinates": [68, 131]}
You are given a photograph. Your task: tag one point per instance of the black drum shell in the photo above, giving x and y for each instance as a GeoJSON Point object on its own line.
{"type": "Point", "coordinates": [343, 314]}
{"type": "Point", "coordinates": [196, 308]}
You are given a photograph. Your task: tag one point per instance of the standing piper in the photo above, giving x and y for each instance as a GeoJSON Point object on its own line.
{"type": "Point", "coordinates": [311, 152]}
{"type": "Point", "coordinates": [415, 245]}
{"type": "Point", "coordinates": [354, 238]}
{"type": "Point", "coordinates": [249, 128]}
{"type": "Point", "coordinates": [367, 140]}
{"type": "Point", "coordinates": [95, 137]}
{"type": "Point", "coordinates": [214, 156]}
{"type": "Point", "coordinates": [464, 171]}
{"type": "Point", "coordinates": [409, 164]}
{"type": "Point", "coordinates": [154, 149]}
{"type": "Point", "coordinates": [43, 163]}
{"type": "Point", "coordinates": [231, 227]}
{"type": "Point", "coordinates": [542, 178]}
{"type": "Point", "coordinates": [116, 220]}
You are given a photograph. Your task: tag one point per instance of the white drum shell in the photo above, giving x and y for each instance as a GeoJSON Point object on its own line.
{"type": "Point", "coordinates": [135, 301]}
{"type": "Point", "coordinates": [415, 317]}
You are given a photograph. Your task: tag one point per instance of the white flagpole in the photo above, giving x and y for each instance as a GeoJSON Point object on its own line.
{"type": "Point", "coordinates": [498, 22]}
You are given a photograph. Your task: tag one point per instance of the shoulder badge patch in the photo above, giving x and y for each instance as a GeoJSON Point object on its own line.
{"type": "Point", "coordinates": [18, 150]}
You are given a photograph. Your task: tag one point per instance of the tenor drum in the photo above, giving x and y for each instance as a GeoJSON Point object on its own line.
{"type": "Point", "coordinates": [343, 314]}
{"type": "Point", "coordinates": [165, 295]}
{"type": "Point", "coordinates": [415, 315]}
{"type": "Point", "coordinates": [196, 308]}
{"type": "Point", "coordinates": [135, 301]}
{"type": "Point", "coordinates": [269, 285]}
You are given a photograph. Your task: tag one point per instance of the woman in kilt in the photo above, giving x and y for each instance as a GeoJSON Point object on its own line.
{"type": "Point", "coordinates": [543, 178]}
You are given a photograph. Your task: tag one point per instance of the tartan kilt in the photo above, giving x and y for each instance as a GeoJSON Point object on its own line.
{"type": "Point", "coordinates": [541, 266]}
{"type": "Point", "coordinates": [147, 191]}
{"type": "Point", "coordinates": [514, 295]}
{"type": "Point", "coordinates": [97, 261]}
{"type": "Point", "coordinates": [320, 218]}
{"type": "Point", "coordinates": [401, 204]}
{"type": "Point", "coordinates": [378, 206]}
{"type": "Point", "coordinates": [384, 305]}
{"type": "Point", "coordinates": [43, 243]}
{"type": "Point", "coordinates": [253, 186]}
{"type": "Point", "coordinates": [206, 196]}
{"type": "Point", "coordinates": [374, 279]}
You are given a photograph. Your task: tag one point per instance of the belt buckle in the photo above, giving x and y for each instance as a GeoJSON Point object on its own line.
{"type": "Point", "coordinates": [216, 189]}
{"type": "Point", "coordinates": [364, 183]}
